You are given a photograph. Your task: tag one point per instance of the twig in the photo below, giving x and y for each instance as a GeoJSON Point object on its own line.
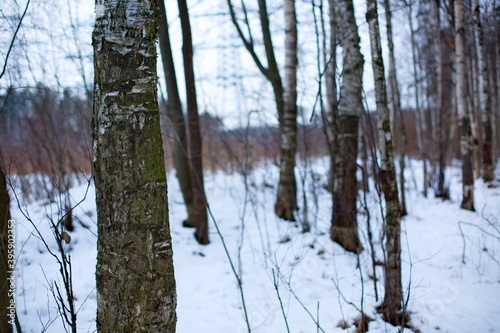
{"type": "Point", "coordinates": [65, 304]}
{"type": "Point", "coordinates": [463, 235]}
{"type": "Point", "coordinates": [238, 278]}
{"type": "Point", "coordinates": [275, 281]}
{"type": "Point", "coordinates": [298, 300]}
{"type": "Point", "coordinates": [14, 38]}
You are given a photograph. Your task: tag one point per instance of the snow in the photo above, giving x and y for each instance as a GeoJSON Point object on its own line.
{"type": "Point", "coordinates": [316, 279]}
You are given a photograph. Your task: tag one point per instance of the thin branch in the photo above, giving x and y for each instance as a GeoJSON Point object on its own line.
{"type": "Point", "coordinates": [275, 282]}
{"type": "Point", "coordinates": [247, 43]}
{"type": "Point", "coordinates": [14, 38]}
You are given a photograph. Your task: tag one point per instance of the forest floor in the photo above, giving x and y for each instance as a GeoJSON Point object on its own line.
{"type": "Point", "coordinates": [303, 281]}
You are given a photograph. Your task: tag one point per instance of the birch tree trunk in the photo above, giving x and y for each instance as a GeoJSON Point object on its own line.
{"type": "Point", "coordinates": [286, 200]}
{"type": "Point", "coordinates": [135, 273]}
{"type": "Point", "coordinates": [466, 146]}
{"type": "Point", "coordinates": [473, 103]}
{"type": "Point", "coordinates": [484, 96]}
{"type": "Point", "coordinates": [344, 228]}
{"type": "Point", "coordinates": [176, 117]}
{"type": "Point", "coordinates": [5, 299]}
{"type": "Point", "coordinates": [286, 105]}
{"type": "Point", "coordinates": [441, 191]}
{"type": "Point", "coordinates": [396, 104]}
{"type": "Point", "coordinates": [195, 144]}
{"type": "Point", "coordinates": [391, 306]}
{"type": "Point", "coordinates": [419, 113]}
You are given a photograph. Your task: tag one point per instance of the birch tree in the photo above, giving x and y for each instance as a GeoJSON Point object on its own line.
{"type": "Point", "coordinates": [195, 142]}
{"type": "Point", "coordinates": [396, 104]}
{"type": "Point", "coordinates": [134, 274]}
{"type": "Point", "coordinates": [392, 304]}
{"type": "Point", "coordinates": [344, 225]}
{"type": "Point", "coordinates": [286, 101]}
{"type": "Point", "coordinates": [484, 95]}
{"type": "Point", "coordinates": [466, 146]}
{"type": "Point", "coordinates": [420, 118]}
{"type": "Point", "coordinates": [286, 200]}
{"type": "Point", "coordinates": [441, 191]}
{"type": "Point", "coordinates": [176, 117]}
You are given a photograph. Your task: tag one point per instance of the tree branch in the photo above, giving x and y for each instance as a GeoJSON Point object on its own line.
{"type": "Point", "coordinates": [13, 39]}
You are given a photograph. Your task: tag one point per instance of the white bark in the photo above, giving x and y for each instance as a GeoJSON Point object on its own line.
{"type": "Point", "coordinates": [134, 273]}
{"type": "Point", "coordinates": [466, 147]}
{"type": "Point", "coordinates": [391, 306]}
{"type": "Point", "coordinates": [286, 201]}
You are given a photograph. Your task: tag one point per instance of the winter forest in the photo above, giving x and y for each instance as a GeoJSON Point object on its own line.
{"type": "Point", "coordinates": [250, 166]}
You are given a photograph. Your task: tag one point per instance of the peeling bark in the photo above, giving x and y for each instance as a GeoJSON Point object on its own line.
{"type": "Point", "coordinates": [344, 228]}
{"type": "Point", "coordinates": [392, 304]}
{"type": "Point", "coordinates": [134, 274]}
{"type": "Point", "coordinates": [466, 144]}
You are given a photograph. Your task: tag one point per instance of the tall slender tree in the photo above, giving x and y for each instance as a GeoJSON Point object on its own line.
{"type": "Point", "coordinates": [420, 117]}
{"type": "Point", "coordinates": [344, 223]}
{"type": "Point", "coordinates": [484, 95]}
{"type": "Point", "coordinates": [135, 273]}
{"type": "Point", "coordinates": [396, 110]}
{"type": "Point", "coordinates": [176, 116]}
{"type": "Point", "coordinates": [462, 93]}
{"type": "Point", "coordinates": [5, 271]}
{"type": "Point", "coordinates": [330, 61]}
{"type": "Point", "coordinates": [441, 190]}
{"type": "Point", "coordinates": [392, 304]}
{"type": "Point", "coordinates": [195, 142]}
{"type": "Point", "coordinates": [286, 200]}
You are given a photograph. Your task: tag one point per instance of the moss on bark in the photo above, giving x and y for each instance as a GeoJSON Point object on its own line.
{"type": "Point", "coordinates": [135, 277]}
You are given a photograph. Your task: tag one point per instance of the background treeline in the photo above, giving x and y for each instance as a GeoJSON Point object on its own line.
{"type": "Point", "coordinates": [44, 131]}
{"type": "Point", "coordinates": [45, 128]}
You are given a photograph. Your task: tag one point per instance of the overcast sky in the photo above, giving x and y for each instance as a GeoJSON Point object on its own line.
{"type": "Point", "coordinates": [54, 47]}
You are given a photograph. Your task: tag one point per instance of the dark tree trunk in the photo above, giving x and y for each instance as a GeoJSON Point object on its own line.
{"type": "Point", "coordinates": [134, 273]}
{"type": "Point", "coordinates": [272, 72]}
{"type": "Point", "coordinates": [484, 96]}
{"type": "Point", "coordinates": [344, 229]}
{"type": "Point", "coordinates": [174, 113]}
{"type": "Point", "coordinates": [195, 143]}
{"type": "Point", "coordinates": [330, 117]}
{"type": "Point", "coordinates": [5, 299]}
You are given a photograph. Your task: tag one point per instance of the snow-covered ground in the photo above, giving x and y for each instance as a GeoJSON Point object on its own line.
{"type": "Point", "coordinates": [451, 260]}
